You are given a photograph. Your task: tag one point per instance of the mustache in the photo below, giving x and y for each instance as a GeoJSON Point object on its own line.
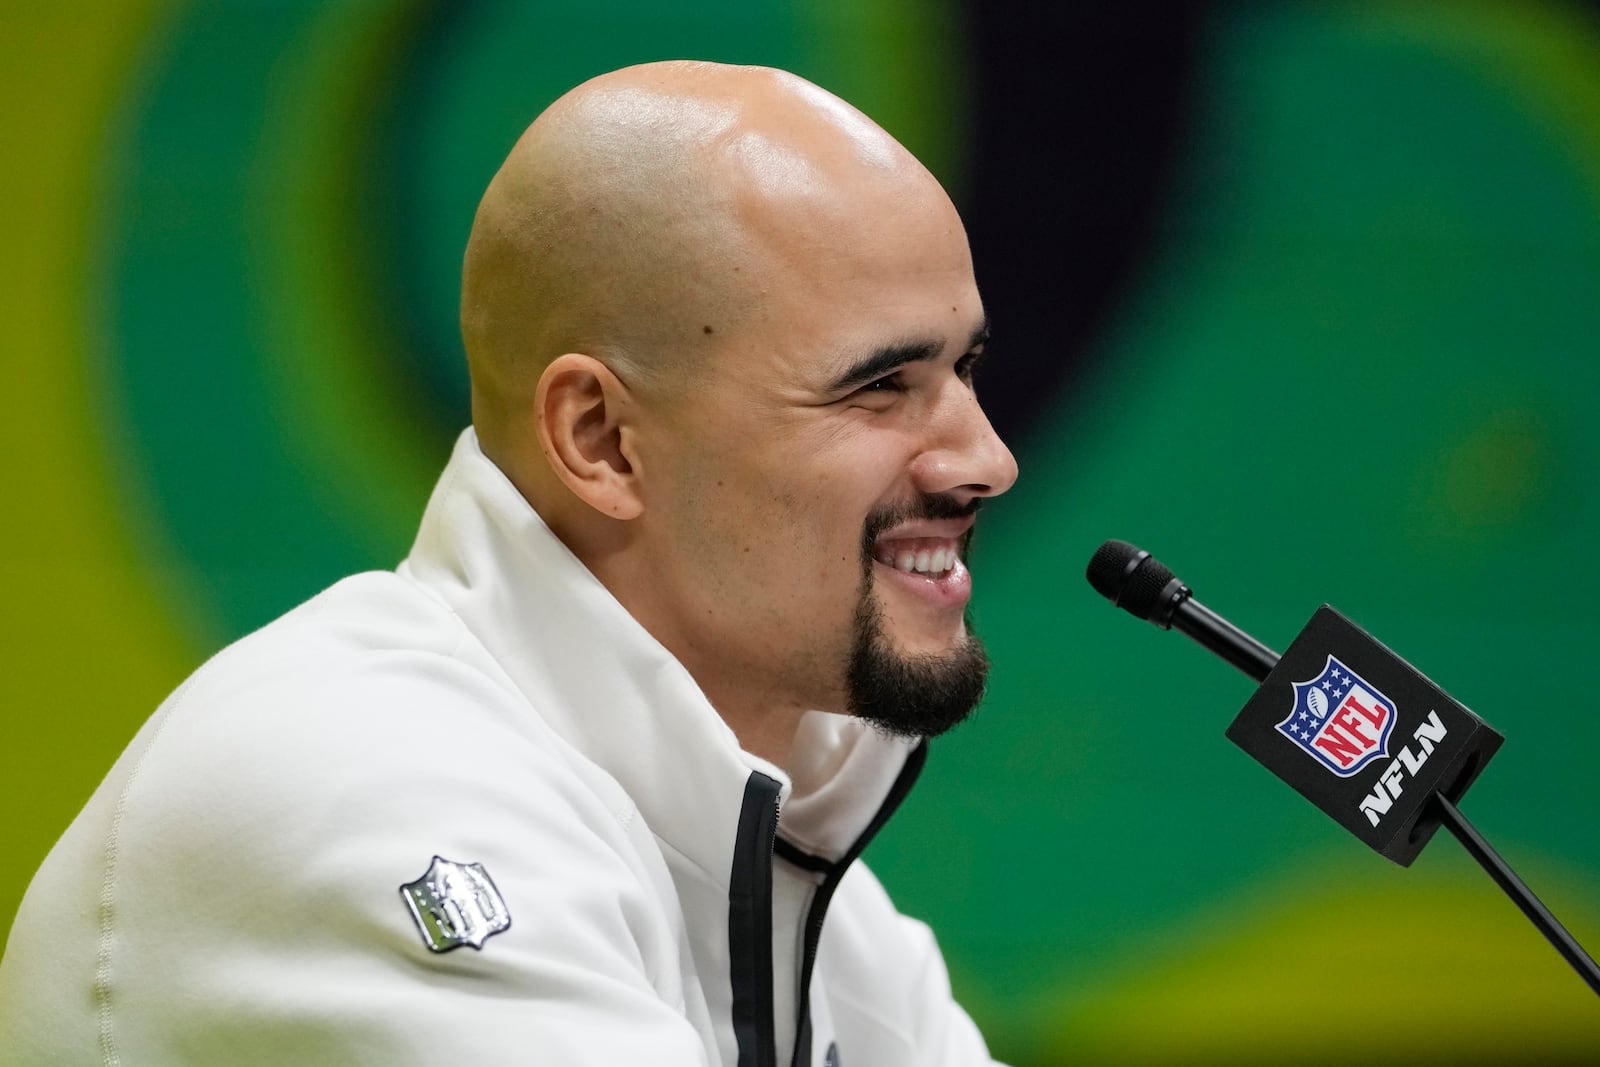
{"type": "Point", "coordinates": [926, 506]}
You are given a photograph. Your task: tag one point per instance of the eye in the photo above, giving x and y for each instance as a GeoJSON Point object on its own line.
{"type": "Point", "coordinates": [889, 383]}
{"type": "Point", "coordinates": [967, 366]}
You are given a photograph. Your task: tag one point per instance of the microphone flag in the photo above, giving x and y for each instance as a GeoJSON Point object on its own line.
{"type": "Point", "coordinates": [1363, 735]}
{"type": "Point", "coordinates": [1340, 719]}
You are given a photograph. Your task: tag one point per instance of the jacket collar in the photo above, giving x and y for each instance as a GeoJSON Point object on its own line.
{"type": "Point", "coordinates": [610, 690]}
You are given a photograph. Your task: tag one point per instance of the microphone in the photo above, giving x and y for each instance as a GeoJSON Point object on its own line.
{"type": "Point", "coordinates": [1135, 581]}
{"type": "Point", "coordinates": [1348, 724]}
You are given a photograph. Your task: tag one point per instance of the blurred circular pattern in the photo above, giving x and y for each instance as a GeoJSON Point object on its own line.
{"type": "Point", "coordinates": [1349, 358]}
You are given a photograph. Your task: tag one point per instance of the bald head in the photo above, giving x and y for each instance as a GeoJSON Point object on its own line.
{"type": "Point", "coordinates": [722, 331]}
{"type": "Point", "coordinates": [644, 218]}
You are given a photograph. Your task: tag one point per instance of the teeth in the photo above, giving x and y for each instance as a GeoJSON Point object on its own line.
{"type": "Point", "coordinates": [929, 561]}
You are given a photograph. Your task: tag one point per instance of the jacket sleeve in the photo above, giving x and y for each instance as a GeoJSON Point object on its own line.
{"type": "Point", "coordinates": [889, 991]}
{"type": "Point", "coordinates": [246, 872]}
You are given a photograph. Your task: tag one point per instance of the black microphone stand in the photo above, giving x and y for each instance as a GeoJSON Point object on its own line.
{"type": "Point", "coordinates": [1517, 890]}
{"type": "Point", "coordinates": [1218, 635]}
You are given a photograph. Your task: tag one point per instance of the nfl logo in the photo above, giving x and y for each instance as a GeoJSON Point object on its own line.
{"type": "Point", "coordinates": [456, 904]}
{"type": "Point", "coordinates": [1340, 719]}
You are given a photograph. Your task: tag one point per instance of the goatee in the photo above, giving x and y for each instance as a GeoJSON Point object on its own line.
{"type": "Point", "coordinates": [911, 695]}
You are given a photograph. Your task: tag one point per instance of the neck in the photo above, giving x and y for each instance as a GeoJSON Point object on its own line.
{"type": "Point", "coordinates": [764, 718]}
{"type": "Point", "coordinates": [764, 729]}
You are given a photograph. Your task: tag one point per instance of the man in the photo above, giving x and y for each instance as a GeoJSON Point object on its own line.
{"type": "Point", "coordinates": [724, 466]}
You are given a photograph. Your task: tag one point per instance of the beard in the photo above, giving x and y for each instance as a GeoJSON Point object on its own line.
{"type": "Point", "coordinates": [906, 695]}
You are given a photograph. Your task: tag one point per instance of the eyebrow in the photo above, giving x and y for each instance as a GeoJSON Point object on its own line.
{"type": "Point", "coordinates": [883, 360]}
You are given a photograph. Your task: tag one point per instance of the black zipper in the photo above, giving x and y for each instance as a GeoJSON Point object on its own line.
{"type": "Point", "coordinates": [832, 872]}
{"type": "Point", "coordinates": [750, 923]}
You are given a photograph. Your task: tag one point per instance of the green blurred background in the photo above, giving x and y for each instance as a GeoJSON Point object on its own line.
{"type": "Point", "coordinates": [1303, 298]}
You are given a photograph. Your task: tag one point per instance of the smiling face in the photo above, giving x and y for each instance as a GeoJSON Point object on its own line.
{"type": "Point", "coordinates": [721, 329]}
{"type": "Point", "coordinates": [811, 486]}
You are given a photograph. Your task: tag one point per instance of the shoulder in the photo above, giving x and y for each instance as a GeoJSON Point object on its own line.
{"type": "Point", "coordinates": [250, 850]}
{"type": "Point", "coordinates": [370, 697]}
{"type": "Point", "coordinates": [366, 725]}
{"type": "Point", "coordinates": [234, 888]}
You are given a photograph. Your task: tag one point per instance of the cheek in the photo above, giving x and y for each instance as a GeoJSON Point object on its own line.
{"type": "Point", "coordinates": [797, 553]}
{"type": "Point", "coordinates": [786, 525]}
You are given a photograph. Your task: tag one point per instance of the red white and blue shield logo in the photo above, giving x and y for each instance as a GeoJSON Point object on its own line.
{"type": "Point", "coordinates": [1340, 719]}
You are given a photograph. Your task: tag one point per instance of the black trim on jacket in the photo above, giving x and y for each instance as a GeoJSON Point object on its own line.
{"type": "Point", "coordinates": [832, 872]}
{"type": "Point", "coordinates": [750, 923]}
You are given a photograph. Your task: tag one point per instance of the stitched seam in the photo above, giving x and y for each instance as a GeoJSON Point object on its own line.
{"type": "Point", "coordinates": [721, 884]}
{"type": "Point", "coordinates": [107, 910]}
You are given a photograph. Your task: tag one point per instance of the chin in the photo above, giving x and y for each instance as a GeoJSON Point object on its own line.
{"type": "Point", "coordinates": [926, 641]}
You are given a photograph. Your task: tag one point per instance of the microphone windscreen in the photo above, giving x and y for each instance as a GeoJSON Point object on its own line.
{"type": "Point", "coordinates": [1129, 577]}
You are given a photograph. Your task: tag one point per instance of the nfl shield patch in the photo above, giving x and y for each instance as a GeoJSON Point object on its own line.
{"type": "Point", "coordinates": [455, 904]}
{"type": "Point", "coordinates": [1339, 719]}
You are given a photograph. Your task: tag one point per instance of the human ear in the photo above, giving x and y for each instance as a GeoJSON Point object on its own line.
{"type": "Point", "coordinates": [582, 412]}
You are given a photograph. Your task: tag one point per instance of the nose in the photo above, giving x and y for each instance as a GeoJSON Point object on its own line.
{"type": "Point", "coordinates": [964, 457]}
